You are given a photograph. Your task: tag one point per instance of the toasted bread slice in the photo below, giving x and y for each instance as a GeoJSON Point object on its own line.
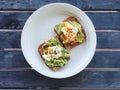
{"type": "Point", "coordinates": [40, 50]}
{"type": "Point", "coordinates": [69, 45]}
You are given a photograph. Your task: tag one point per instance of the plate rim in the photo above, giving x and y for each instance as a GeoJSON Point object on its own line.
{"type": "Point", "coordinates": [66, 4]}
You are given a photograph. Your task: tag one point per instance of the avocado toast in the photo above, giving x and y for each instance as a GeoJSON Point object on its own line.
{"type": "Point", "coordinates": [70, 32]}
{"type": "Point", "coordinates": [54, 54]}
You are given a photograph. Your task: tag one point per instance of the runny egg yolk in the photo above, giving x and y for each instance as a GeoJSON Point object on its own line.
{"type": "Point", "coordinates": [69, 31]}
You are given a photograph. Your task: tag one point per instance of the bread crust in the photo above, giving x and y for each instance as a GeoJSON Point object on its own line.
{"type": "Point", "coordinates": [69, 46]}
{"type": "Point", "coordinates": [40, 50]}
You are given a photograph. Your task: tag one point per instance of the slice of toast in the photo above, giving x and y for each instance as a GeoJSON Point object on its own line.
{"type": "Point", "coordinates": [40, 50]}
{"type": "Point", "coordinates": [68, 45]}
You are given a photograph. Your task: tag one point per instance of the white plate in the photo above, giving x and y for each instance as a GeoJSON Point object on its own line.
{"type": "Point", "coordinates": [40, 28]}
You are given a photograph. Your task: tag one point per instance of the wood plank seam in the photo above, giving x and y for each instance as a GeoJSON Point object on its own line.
{"type": "Point", "coordinates": [82, 10]}
{"type": "Point", "coordinates": [86, 69]}
{"type": "Point", "coordinates": [97, 30]}
{"type": "Point", "coordinates": [78, 88]}
{"type": "Point", "coordinates": [98, 49]}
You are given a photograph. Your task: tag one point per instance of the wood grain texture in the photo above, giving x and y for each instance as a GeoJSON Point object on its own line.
{"type": "Point", "coordinates": [101, 20]}
{"type": "Point", "coordinates": [85, 79]}
{"type": "Point", "coordinates": [105, 59]}
{"type": "Point", "coordinates": [14, 20]}
{"type": "Point", "coordinates": [10, 39]}
{"type": "Point", "coordinates": [102, 59]}
{"type": "Point", "coordinates": [75, 88]}
{"type": "Point", "coordinates": [103, 72]}
{"type": "Point", "coordinates": [83, 4]}
{"type": "Point", "coordinates": [105, 20]}
{"type": "Point", "coordinates": [104, 39]}
{"type": "Point", "coordinates": [108, 39]}
{"type": "Point", "coordinates": [12, 59]}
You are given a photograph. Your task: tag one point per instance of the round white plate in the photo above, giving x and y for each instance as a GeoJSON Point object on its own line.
{"type": "Point", "coordinates": [40, 28]}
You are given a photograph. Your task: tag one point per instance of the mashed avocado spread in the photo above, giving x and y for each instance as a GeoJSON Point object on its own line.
{"type": "Point", "coordinates": [54, 54]}
{"type": "Point", "coordinates": [76, 28]}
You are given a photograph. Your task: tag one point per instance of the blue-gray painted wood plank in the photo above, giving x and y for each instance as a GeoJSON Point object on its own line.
{"type": "Point", "coordinates": [101, 20]}
{"type": "Point", "coordinates": [85, 79]}
{"type": "Point", "coordinates": [104, 39]}
{"type": "Point", "coordinates": [13, 66]}
{"type": "Point", "coordinates": [105, 59]}
{"type": "Point", "coordinates": [83, 4]}
{"type": "Point", "coordinates": [105, 20]}
{"type": "Point", "coordinates": [101, 59]}
{"type": "Point", "coordinates": [14, 20]}
{"type": "Point", "coordinates": [10, 39]}
{"type": "Point", "coordinates": [12, 59]}
{"type": "Point", "coordinates": [108, 39]}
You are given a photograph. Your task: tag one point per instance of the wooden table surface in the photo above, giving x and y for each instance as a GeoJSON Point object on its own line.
{"type": "Point", "coordinates": [102, 73]}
